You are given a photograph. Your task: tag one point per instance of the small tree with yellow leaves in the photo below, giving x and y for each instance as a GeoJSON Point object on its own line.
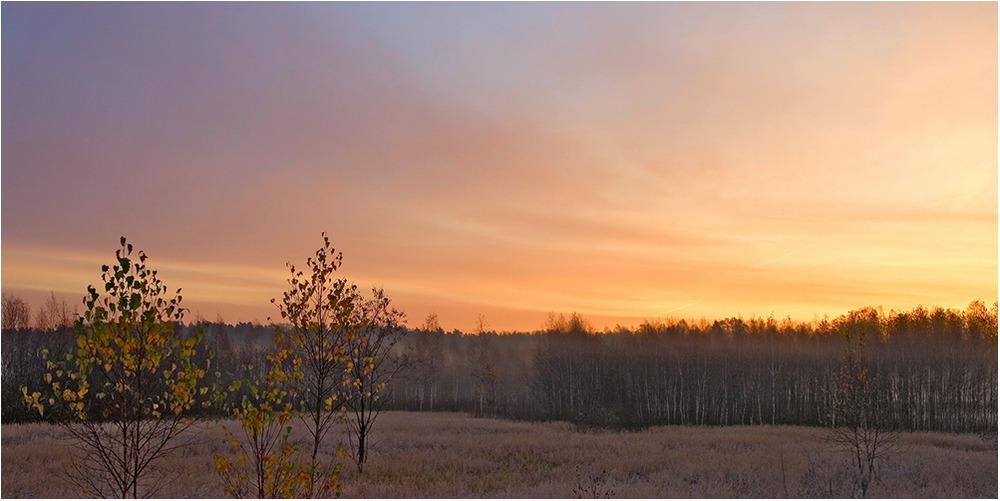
{"type": "Point", "coordinates": [124, 395]}
{"type": "Point", "coordinates": [318, 309]}
{"type": "Point", "coordinates": [266, 464]}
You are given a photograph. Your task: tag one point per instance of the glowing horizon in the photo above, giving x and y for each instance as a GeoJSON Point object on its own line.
{"type": "Point", "coordinates": [627, 162]}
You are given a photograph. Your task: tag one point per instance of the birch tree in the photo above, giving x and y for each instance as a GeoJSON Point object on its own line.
{"type": "Point", "coordinates": [371, 364]}
{"type": "Point", "coordinates": [124, 394]}
{"type": "Point", "coordinates": [318, 308]}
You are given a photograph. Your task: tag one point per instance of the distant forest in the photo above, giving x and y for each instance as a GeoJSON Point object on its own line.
{"type": "Point", "coordinates": [935, 369]}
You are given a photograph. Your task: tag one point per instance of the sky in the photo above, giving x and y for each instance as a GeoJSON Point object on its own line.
{"type": "Point", "coordinates": [629, 162]}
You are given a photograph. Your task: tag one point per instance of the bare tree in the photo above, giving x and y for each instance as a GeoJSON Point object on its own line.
{"type": "Point", "coordinates": [592, 484]}
{"type": "Point", "coordinates": [426, 360]}
{"type": "Point", "coordinates": [54, 314]}
{"type": "Point", "coordinates": [858, 424]}
{"type": "Point", "coordinates": [15, 311]}
{"type": "Point", "coordinates": [431, 323]}
{"type": "Point", "coordinates": [484, 376]}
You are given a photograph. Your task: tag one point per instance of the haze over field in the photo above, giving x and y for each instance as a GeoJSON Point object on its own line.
{"type": "Point", "coordinates": [625, 161]}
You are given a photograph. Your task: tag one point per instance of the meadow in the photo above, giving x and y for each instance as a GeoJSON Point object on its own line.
{"type": "Point", "coordinates": [453, 455]}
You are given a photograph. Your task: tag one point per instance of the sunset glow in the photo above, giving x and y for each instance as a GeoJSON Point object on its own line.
{"type": "Point", "coordinates": [627, 162]}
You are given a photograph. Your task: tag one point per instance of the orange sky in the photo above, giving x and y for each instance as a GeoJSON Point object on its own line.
{"type": "Point", "coordinates": [627, 162]}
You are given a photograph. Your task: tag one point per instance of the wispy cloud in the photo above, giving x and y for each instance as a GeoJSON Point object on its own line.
{"type": "Point", "coordinates": [617, 160]}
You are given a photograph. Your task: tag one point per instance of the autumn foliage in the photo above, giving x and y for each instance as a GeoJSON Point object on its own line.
{"type": "Point", "coordinates": [332, 358]}
{"type": "Point", "coordinates": [124, 393]}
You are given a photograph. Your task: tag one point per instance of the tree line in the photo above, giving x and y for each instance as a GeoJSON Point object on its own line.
{"type": "Point", "coordinates": [932, 369]}
{"type": "Point", "coordinates": [126, 378]}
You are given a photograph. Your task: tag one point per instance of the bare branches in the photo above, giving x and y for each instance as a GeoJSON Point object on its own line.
{"type": "Point", "coordinates": [14, 312]}
{"type": "Point", "coordinates": [371, 364]}
{"type": "Point", "coordinates": [859, 426]}
{"type": "Point", "coordinates": [592, 484]}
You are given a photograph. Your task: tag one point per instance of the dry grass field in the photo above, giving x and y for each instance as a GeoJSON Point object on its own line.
{"type": "Point", "coordinates": [441, 455]}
